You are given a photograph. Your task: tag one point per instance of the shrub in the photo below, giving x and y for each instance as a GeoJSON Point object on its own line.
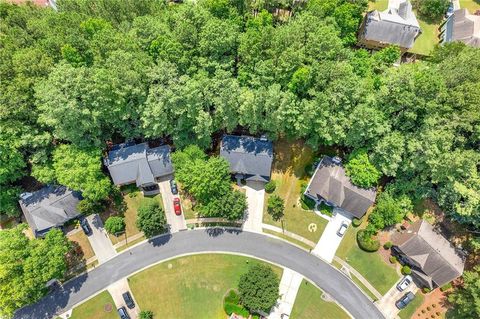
{"type": "Point", "coordinates": [151, 219]}
{"type": "Point", "coordinates": [423, 311]}
{"type": "Point", "coordinates": [275, 207]}
{"type": "Point", "coordinates": [446, 286]}
{"type": "Point", "coordinates": [307, 203]}
{"type": "Point", "coordinates": [437, 313]}
{"type": "Point", "coordinates": [434, 305]}
{"type": "Point", "coordinates": [146, 314]}
{"type": "Point", "coordinates": [406, 270]}
{"type": "Point", "coordinates": [356, 222]}
{"type": "Point", "coordinates": [388, 245]}
{"type": "Point", "coordinates": [432, 316]}
{"type": "Point", "coordinates": [326, 210]}
{"type": "Point", "coordinates": [87, 206]}
{"type": "Point", "coordinates": [428, 308]}
{"type": "Point", "coordinates": [115, 225]}
{"type": "Point", "coordinates": [231, 304]}
{"type": "Point", "coordinates": [361, 172]}
{"type": "Point", "coordinates": [270, 186]}
{"type": "Point", "coordinates": [393, 259]}
{"type": "Point", "coordinates": [426, 291]}
{"type": "Point", "coordinates": [365, 241]}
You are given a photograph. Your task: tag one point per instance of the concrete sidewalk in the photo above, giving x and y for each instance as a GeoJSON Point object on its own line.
{"type": "Point", "coordinates": [289, 285]}
{"type": "Point", "coordinates": [99, 240]}
{"type": "Point", "coordinates": [255, 192]}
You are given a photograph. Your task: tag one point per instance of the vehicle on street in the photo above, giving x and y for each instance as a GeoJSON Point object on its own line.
{"type": "Point", "coordinates": [404, 283]}
{"type": "Point", "coordinates": [405, 300]}
{"type": "Point", "coordinates": [122, 312]}
{"type": "Point", "coordinates": [176, 206]}
{"type": "Point", "coordinates": [127, 297]}
{"type": "Point", "coordinates": [343, 228]}
{"type": "Point", "coordinates": [85, 227]}
{"type": "Point", "coordinates": [173, 187]}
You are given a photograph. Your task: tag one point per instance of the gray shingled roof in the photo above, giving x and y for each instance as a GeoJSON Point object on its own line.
{"type": "Point", "coordinates": [248, 156]}
{"type": "Point", "coordinates": [431, 252]}
{"type": "Point", "coordinates": [138, 163]}
{"type": "Point", "coordinates": [465, 27]}
{"type": "Point", "coordinates": [49, 207]}
{"type": "Point", "coordinates": [329, 182]}
{"type": "Point", "coordinates": [396, 25]}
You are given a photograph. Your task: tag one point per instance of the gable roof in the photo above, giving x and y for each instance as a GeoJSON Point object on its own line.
{"type": "Point", "coordinates": [434, 254]}
{"type": "Point", "coordinates": [249, 156]}
{"type": "Point", "coordinates": [465, 27]}
{"type": "Point", "coordinates": [49, 207]}
{"type": "Point", "coordinates": [138, 163]}
{"type": "Point", "coordinates": [395, 25]}
{"type": "Point", "coordinates": [330, 182]}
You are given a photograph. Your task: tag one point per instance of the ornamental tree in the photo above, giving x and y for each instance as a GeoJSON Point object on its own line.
{"type": "Point", "coordinates": [151, 219]}
{"type": "Point", "coordinates": [258, 288]}
{"type": "Point", "coordinates": [276, 207]}
{"type": "Point", "coordinates": [115, 225]}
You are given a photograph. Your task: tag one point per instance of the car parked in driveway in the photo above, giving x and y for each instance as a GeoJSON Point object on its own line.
{"type": "Point", "coordinates": [176, 206]}
{"type": "Point", "coordinates": [127, 297]}
{"type": "Point", "coordinates": [343, 228]}
{"type": "Point", "coordinates": [173, 187]}
{"type": "Point", "coordinates": [404, 283]}
{"type": "Point", "coordinates": [405, 300]}
{"type": "Point", "coordinates": [122, 312]}
{"type": "Point", "coordinates": [85, 227]}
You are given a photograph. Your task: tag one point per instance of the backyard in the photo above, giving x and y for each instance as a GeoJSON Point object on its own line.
{"type": "Point", "coordinates": [96, 307]}
{"type": "Point", "coordinates": [289, 173]}
{"type": "Point", "coordinates": [471, 5]}
{"type": "Point", "coordinates": [310, 305]}
{"type": "Point", "coordinates": [190, 287]}
{"type": "Point", "coordinates": [371, 265]}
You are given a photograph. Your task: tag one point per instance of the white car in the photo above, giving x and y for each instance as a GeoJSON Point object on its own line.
{"type": "Point", "coordinates": [343, 228]}
{"type": "Point", "coordinates": [404, 283]}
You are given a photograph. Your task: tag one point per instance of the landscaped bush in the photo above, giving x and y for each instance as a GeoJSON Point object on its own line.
{"type": "Point", "coordinates": [434, 305]}
{"type": "Point", "coordinates": [388, 245]}
{"type": "Point", "coordinates": [115, 225]}
{"type": "Point", "coordinates": [356, 222]}
{"type": "Point", "coordinates": [365, 241]}
{"type": "Point", "coordinates": [325, 209]}
{"type": "Point", "coordinates": [393, 259]}
{"type": "Point", "coordinates": [426, 290]}
{"type": "Point", "coordinates": [146, 314]}
{"type": "Point", "coordinates": [231, 304]}
{"type": "Point", "coordinates": [406, 270]}
{"type": "Point", "coordinates": [270, 186]}
{"type": "Point", "coordinates": [446, 286]}
{"type": "Point", "coordinates": [429, 308]}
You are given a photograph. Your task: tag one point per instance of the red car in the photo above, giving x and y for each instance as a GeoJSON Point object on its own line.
{"type": "Point", "coordinates": [176, 206]}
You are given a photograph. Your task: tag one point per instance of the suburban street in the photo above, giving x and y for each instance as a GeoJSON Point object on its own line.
{"type": "Point", "coordinates": [276, 251]}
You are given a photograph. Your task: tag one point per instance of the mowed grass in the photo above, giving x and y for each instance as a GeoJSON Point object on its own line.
{"type": "Point", "coordinates": [426, 42]}
{"type": "Point", "coordinates": [379, 5]}
{"type": "Point", "coordinates": [409, 310]}
{"type": "Point", "coordinates": [94, 308]}
{"type": "Point", "coordinates": [310, 305]}
{"type": "Point", "coordinates": [190, 287]}
{"type": "Point", "coordinates": [370, 265]}
{"type": "Point", "coordinates": [471, 5]}
{"type": "Point", "coordinates": [290, 159]}
{"type": "Point", "coordinates": [82, 240]}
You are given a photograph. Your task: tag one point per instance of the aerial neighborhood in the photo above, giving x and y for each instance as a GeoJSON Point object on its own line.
{"type": "Point", "coordinates": [240, 159]}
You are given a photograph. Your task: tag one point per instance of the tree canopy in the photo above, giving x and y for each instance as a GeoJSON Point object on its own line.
{"type": "Point", "coordinates": [151, 219]}
{"type": "Point", "coordinates": [258, 288]}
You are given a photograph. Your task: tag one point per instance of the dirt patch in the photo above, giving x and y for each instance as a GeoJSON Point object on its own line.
{"type": "Point", "coordinates": [435, 305]}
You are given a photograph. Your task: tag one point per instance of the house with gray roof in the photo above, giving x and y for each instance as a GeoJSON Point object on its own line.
{"type": "Point", "coordinates": [49, 207]}
{"type": "Point", "coordinates": [138, 163]}
{"type": "Point", "coordinates": [397, 25]}
{"type": "Point", "coordinates": [461, 26]}
{"type": "Point", "coordinates": [433, 259]}
{"type": "Point", "coordinates": [331, 185]}
{"type": "Point", "coordinates": [250, 158]}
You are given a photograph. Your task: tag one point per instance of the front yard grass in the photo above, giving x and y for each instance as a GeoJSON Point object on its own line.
{"type": "Point", "coordinates": [288, 172]}
{"type": "Point", "coordinates": [409, 310]}
{"type": "Point", "coordinates": [94, 308]}
{"type": "Point", "coordinates": [190, 287]}
{"type": "Point", "coordinates": [310, 305]}
{"type": "Point", "coordinates": [426, 42]}
{"type": "Point", "coordinates": [370, 265]}
{"type": "Point", "coordinates": [82, 241]}
{"type": "Point", "coordinates": [471, 5]}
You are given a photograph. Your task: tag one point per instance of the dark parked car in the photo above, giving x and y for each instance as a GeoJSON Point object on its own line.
{"type": "Point", "coordinates": [122, 312]}
{"type": "Point", "coordinates": [85, 227]}
{"type": "Point", "coordinates": [405, 300]}
{"type": "Point", "coordinates": [128, 300]}
{"type": "Point", "coordinates": [173, 187]}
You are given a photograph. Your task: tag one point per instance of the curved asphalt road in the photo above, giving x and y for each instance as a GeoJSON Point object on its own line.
{"type": "Point", "coordinates": [197, 241]}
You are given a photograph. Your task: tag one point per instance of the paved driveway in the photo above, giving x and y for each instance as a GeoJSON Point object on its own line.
{"type": "Point", "coordinates": [255, 192]}
{"type": "Point", "coordinates": [387, 303]}
{"type": "Point", "coordinates": [176, 222]}
{"type": "Point", "coordinates": [329, 279]}
{"type": "Point", "coordinates": [99, 240]}
{"type": "Point", "coordinates": [116, 290]}
{"type": "Point", "coordinates": [329, 242]}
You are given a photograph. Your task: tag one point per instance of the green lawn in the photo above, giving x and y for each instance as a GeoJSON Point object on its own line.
{"type": "Point", "coordinates": [379, 5]}
{"type": "Point", "coordinates": [94, 308]}
{"type": "Point", "coordinates": [289, 173]}
{"type": "Point", "coordinates": [407, 312]}
{"type": "Point", "coordinates": [471, 5]}
{"type": "Point", "coordinates": [425, 43]}
{"type": "Point", "coordinates": [370, 265]}
{"type": "Point", "coordinates": [190, 287]}
{"type": "Point", "coordinates": [310, 305]}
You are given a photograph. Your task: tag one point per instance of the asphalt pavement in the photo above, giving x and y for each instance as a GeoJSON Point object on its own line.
{"type": "Point", "coordinates": [277, 251]}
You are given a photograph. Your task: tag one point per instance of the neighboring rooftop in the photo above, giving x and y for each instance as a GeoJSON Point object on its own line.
{"type": "Point", "coordinates": [437, 257]}
{"type": "Point", "coordinates": [396, 25]}
{"type": "Point", "coordinates": [464, 27]}
{"type": "Point", "coordinates": [129, 163]}
{"type": "Point", "coordinates": [49, 207]}
{"type": "Point", "coordinates": [330, 183]}
{"type": "Point", "coordinates": [248, 156]}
